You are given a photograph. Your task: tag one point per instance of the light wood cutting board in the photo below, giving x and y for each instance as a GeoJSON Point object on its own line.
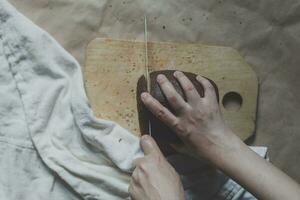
{"type": "Point", "coordinates": [113, 67]}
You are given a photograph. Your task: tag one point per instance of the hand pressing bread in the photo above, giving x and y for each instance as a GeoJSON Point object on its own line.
{"type": "Point", "coordinates": [198, 120]}
{"type": "Point", "coordinates": [163, 134]}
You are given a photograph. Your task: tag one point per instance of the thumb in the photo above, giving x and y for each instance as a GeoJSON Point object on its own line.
{"type": "Point", "coordinates": [148, 144]}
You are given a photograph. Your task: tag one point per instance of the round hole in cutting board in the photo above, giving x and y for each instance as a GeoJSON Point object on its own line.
{"type": "Point", "coordinates": [232, 101]}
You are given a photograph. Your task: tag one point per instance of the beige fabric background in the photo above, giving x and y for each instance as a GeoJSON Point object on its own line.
{"type": "Point", "coordinates": [266, 33]}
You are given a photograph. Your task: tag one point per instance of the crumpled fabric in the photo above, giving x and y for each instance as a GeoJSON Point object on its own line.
{"type": "Point", "coordinates": [51, 145]}
{"type": "Point", "coordinates": [43, 89]}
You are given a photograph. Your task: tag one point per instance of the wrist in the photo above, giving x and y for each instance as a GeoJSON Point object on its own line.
{"type": "Point", "coordinates": [228, 157]}
{"type": "Point", "coordinates": [221, 147]}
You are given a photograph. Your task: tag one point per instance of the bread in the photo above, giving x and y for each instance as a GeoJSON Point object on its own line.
{"type": "Point", "coordinates": [160, 132]}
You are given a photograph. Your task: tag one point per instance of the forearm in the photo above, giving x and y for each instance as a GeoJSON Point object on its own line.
{"type": "Point", "coordinates": [254, 173]}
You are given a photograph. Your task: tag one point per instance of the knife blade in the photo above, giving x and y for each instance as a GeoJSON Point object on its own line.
{"type": "Point", "coordinates": [147, 75]}
{"type": "Point", "coordinates": [146, 55]}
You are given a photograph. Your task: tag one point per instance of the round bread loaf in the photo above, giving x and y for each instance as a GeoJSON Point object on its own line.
{"type": "Point", "coordinates": [161, 132]}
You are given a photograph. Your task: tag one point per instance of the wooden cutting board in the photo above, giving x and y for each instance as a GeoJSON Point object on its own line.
{"type": "Point", "coordinates": [113, 67]}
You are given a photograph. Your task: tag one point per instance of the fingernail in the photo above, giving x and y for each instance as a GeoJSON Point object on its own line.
{"type": "Point", "coordinates": [160, 78]}
{"type": "Point", "coordinates": [144, 95]}
{"type": "Point", "coordinates": [178, 73]}
{"type": "Point", "coordinates": [147, 144]}
{"type": "Point", "coordinates": [198, 77]}
{"type": "Point", "coordinates": [145, 138]}
{"type": "Point", "coordinates": [175, 74]}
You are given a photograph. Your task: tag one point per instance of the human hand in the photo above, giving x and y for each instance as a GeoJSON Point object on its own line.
{"type": "Point", "coordinates": [197, 121]}
{"type": "Point", "coordinates": [154, 178]}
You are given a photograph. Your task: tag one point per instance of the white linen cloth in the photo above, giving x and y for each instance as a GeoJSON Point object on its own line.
{"type": "Point", "coordinates": [51, 145]}
{"type": "Point", "coordinates": [43, 102]}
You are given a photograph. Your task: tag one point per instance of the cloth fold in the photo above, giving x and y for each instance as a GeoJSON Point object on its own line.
{"type": "Point", "coordinates": [93, 156]}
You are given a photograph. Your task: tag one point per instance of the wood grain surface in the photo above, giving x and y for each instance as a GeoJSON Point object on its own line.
{"type": "Point", "coordinates": [113, 67]}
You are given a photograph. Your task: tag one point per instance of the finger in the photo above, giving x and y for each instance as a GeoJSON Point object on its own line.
{"type": "Point", "coordinates": [209, 90]}
{"type": "Point", "coordinates": [158, 110]}
{"type": "Point", "coordinates": [132, 190]}
{"type": "Point", "coordinates": [135, 176]}
{"type": "Point", "coordinates": [137, 161]}
{"type": "Point", "coordinates": [174, 99]}
{"type": "Point", "coordinates": [149, 145]}
{"type": "Point", "coordinates": [189, 89]}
